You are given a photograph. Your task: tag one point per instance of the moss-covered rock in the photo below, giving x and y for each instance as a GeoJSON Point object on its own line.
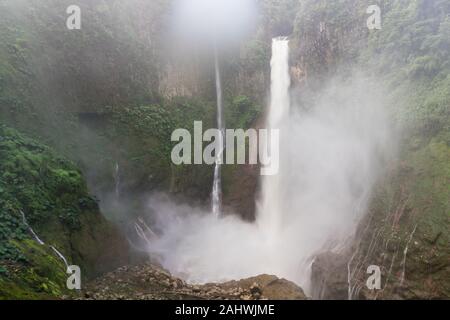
{"type": "Point", "coordinates": [51, 193]}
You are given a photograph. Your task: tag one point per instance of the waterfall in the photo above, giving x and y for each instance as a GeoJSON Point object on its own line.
{"type": "Point", "coordinates": [217, 184]}
{"type": "Point", "coordinates": [270, 210]}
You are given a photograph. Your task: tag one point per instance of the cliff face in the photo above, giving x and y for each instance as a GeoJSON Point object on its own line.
{"type": "Point", "coordinates": [405, 230]}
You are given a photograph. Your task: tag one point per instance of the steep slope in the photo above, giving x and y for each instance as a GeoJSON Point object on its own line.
{"type": "Point", "coordinates": [45, 192]}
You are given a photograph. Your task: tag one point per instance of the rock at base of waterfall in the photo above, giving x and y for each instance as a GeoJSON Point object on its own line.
{"type": "Point", "coordinates": [150, 282]}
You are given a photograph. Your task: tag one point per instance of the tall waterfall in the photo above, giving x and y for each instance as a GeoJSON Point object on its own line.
{"type": "Point", "coordinates": [269, 213]}
{"type": "Point", "coordinates": [217, 183]}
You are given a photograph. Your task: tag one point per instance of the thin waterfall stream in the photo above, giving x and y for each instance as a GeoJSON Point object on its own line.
{"type": "Point", "coordinates": [216, 202]}
{"type": "Point", "coordinates": [42, 243]}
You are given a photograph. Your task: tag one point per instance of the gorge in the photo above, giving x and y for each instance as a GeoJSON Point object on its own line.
{"type": "Point", "coordinates": [362, 120]}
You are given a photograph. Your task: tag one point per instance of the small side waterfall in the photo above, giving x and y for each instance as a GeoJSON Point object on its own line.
{"type": "Point", "coordinates": [42, 243]}
{"type": "Point", "coordinates": [270, 210]}
{"type": "Point", "coordinates": [216, 201]}
{"type": "Point", "coordinates": [144, 232]}
{"type": "Point", "coordinates": [60, 255]}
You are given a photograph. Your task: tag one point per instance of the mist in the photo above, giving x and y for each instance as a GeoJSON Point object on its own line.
{"type": "Point", "coordinates": [332, 153]}
{"type": "Point", "coordinates": [203, 21]}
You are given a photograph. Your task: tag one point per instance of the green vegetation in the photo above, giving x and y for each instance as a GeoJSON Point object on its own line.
{"type": "Point", "coordinates": [241, 113]}
{"type": "Point", "coordinates": [411, 54]}
{"type": "Point", "coordinates": [41, 277]}
{"type": "Point", "coordinates": [142, 137]}
{"type": "Point", "coordinates": [45, 187]}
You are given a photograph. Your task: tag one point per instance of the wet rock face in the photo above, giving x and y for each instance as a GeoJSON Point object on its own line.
{"type": "Point", "coordinates": [150, 282]}
{"type": "Point", "coordinates": [329, 277]}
